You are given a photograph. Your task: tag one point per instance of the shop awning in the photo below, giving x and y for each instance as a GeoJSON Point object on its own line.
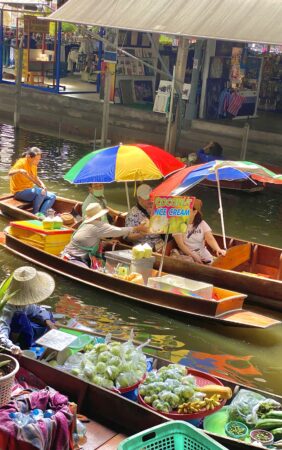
{"type": "Point", "coordinates": [240, 20]}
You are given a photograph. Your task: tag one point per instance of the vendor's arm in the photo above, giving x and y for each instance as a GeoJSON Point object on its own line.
{"type": "Point", "coordinates": [18, 168]}
{"type": "Point", "coordinates": [112, 231]}
{"type": "Point", "coordinates": [179, 239]}
{"type": "Point", "coordinates": [41, 315]}
{"type": "Point", "coordinates": [5, 322]}
{"type": "Point", "coordinates": [210, 240]}
{"type": "Point", "coordinates": [130, 221]}
{"type": "Point", "coordinates": [114, 213]}
{"type": "Point", "coordinates": [39, 183]}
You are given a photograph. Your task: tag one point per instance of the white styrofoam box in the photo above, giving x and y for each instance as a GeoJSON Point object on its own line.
{"type": "Point", "coordinates": [181, 286]}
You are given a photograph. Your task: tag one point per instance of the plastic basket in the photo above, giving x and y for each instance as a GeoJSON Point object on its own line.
{"type": "Point", "coordinates": [176, 435]}
{"type": "Point", "coordinates": [7, 381]}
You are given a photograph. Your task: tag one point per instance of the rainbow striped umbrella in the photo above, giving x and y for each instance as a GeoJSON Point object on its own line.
{"type": "Point", "coordinates": [188, 177]}
{"type": "Point", "coordinates": [136, 162]}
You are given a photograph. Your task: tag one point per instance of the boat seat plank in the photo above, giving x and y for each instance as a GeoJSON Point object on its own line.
{"type": "Point", "coordinates": [17, 203]}
{"type": "Point", "coordinates": [235, 256]}
{"type": "Point", "coordinates": [97, 436]}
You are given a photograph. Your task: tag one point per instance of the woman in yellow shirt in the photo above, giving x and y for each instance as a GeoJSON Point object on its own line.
{"type": "Point", "coordinates": [27, 186]}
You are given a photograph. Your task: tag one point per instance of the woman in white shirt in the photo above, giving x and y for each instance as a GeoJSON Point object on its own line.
{"type": "Point", "coordinates": [192, 243]}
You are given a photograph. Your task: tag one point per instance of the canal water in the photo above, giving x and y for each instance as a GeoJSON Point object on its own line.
{"type": "Point", "coordinates": [246, 355]}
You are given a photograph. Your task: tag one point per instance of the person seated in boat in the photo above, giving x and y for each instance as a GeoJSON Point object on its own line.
{"type": "Point", "coordinates": [96, 195]}
{"type": "Point", "coordinates": [22, 320]}
{"type": "Point", "coordinates": [86, 240]}
{"type": "Point", "coordinates": [140, 213]}
{"type": "Point", "coordinates": [192, 244]}
{"type": "Point", "coordinates": [27, 186]}
{"type": "Point", "coordinates": [209, 152]}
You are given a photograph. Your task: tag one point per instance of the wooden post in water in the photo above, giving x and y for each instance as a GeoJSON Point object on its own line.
{"type": "Point", "coordinates": [17, 113]}
{"type": "Point", "coordinates": [106, 107]}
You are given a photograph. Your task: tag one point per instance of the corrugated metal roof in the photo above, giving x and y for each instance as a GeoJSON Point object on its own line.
{"type": "Point", "coordinates": [236, 20]}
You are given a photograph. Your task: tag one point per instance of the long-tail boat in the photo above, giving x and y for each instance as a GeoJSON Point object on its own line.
{"type": "Point", "coordinates": [254, 269]}
{"type": "Point", "coordinates": [221, 305]}
{"type": "Point", "coordinates": [114, 417]}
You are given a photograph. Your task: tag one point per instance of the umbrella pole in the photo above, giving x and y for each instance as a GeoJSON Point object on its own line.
{"type": "Point", "coordinates": [127, 196]}
{"type": "Point", "coordinates": [220, 208]}
{"type": "Point", "coordinates": [163, 255]}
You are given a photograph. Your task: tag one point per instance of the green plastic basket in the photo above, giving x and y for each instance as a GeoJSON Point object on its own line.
{"type": "Point", "coordinates": [174, 435]}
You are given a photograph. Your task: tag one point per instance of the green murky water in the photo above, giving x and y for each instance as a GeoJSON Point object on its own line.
{"type": "Point", "coordinates": [248, 356]}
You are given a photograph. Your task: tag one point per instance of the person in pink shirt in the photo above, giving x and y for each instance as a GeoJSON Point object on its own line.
{"type": "Point", "coordinates": [192, 243]}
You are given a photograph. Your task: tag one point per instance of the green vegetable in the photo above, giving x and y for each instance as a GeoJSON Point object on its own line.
{"type": "Point", "coordinates": [268, 424]}
{"type": "Point", "coordinates": [277, 433]}
{"type": "Point", "coordinates": [273, 415]}
{"type": "Point", "coordinates": [267, 405]}
{"type": "Point", "coordinates": [4, 363]}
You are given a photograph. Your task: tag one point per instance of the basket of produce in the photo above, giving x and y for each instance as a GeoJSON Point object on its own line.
{"type": "Point", "coordinates": [120, 367]}
{"type": "Point", "coordinates": [182, 394]}
{"type": "Point", "coordinates": [9, 366]}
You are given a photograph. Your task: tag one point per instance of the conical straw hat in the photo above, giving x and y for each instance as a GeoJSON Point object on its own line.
{"type": "Point", "coordinates": [30, 285]}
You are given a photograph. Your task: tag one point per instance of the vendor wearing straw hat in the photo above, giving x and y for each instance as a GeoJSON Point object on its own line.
{"type": "Point", "coordinates": [22, 321]}
{"type": "Point", "coordinates": [85, 241]}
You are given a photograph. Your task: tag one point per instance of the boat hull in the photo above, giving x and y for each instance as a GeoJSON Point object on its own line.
{"type": "Point", "coordinates": [115, 411]}
{"type": "Point", "coordinates": [264, 291]}
{"type": "Point", "coordinates": [220, 310]}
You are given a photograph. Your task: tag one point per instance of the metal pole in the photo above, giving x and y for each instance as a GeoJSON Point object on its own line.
{"type": "Point", "coordinates": [127, 196]}
{"type": "Point", "coordinates": [258, 87]}
{"type": "Point", "coordinates": [58, 56]}
{"type": "Point", "coordinates": [106, 107]}
{"type": "Point", "coordinates": [168, 129]}
{"type": "Point", "coordinates": [17, 112]}
{"type": "Point", "coordinates": [163, 255]}
{"type": "Point", "coordinates": [220, 209]}
{"type": "Point", "coordinates": [245, 138]}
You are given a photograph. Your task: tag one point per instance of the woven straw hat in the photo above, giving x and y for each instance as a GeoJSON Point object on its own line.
{"type": "Point", "coordinates": [31, 286]}
{"type": "Point", "coordinates": [67, 219]}
{"type": "Point", "coordinates": [94, 211]}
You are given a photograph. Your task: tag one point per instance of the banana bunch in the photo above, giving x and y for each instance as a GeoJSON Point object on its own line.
{"type": "Point", "coordinates": [212, 402]}
{"type": "Point", "coordinates": [191, 407]}
{"type": "Point", "coordinates": [207, 403]}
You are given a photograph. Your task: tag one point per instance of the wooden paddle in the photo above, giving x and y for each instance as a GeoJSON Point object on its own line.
{"type": "Point", "coordinates": [235, 256]}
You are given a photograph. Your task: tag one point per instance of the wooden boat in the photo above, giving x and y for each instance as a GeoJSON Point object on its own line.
{"type": "Point", "coordinates": [254, 269]}
{"type": "Point", "coordinates": [224, 306]}
{"type": "Point", "coordinates": [113, 417]}
{"type": "Point", "coordinates": [247, 186]}
{"type": "Point", "coordinates": [20, 210]}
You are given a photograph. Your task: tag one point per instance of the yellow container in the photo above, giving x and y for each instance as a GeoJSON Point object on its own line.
{"type": "Point", "coordinates": [51, 242]}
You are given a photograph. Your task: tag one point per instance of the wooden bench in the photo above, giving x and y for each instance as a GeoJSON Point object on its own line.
{"type": "Point", "coordinates": [17, 203]}
{"type": "Point", "coordinates": [235, 256]}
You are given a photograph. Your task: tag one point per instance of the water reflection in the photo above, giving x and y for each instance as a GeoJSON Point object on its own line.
{"type": "Point", "coordinates": [245, 355]}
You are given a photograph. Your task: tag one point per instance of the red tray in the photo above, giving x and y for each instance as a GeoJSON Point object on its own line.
{"type": "Point", "coordinates": [129, 388]}
{"type": "Point", "coordinates": [202, 379]}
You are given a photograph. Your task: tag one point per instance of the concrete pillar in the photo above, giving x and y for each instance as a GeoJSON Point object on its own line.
{"type": "Point", "coordinates": [210, 51]}
{"type": "Point", "coordinates": [17, 112]}
{"type": "Point", "coordinates": [191, 111]}
{"type": "Point", "coordinates": [180, 68]}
